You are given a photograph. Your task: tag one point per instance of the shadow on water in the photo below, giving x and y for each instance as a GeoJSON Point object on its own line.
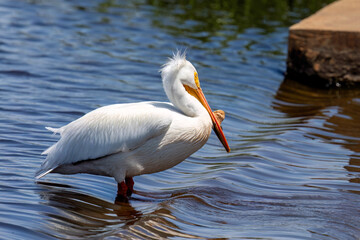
{"type": "Point", "coordinates": [79, 215]}
{"type": "Point", "coordinates": [334, 113]}
{"type": "Point", "coordinates": [165, 214]}
{"type": "Point", "coordinates": [157, 215]}
{"type": "Point", "coordinates": [171, 213]}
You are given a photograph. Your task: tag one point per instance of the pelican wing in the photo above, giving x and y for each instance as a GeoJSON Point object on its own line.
{"type": "Point", "coordinates": [105, 131]}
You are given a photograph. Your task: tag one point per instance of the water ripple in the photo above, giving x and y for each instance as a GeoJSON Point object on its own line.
{"type": "Point", "coordinates": [294, 169]}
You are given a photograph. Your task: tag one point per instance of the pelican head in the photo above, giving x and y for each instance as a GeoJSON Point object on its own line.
{"type": "Point", "coordinates": [182, 87]}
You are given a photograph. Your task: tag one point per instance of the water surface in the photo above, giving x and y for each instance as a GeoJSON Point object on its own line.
{"type": "Point", "coordinates": [294, 169]}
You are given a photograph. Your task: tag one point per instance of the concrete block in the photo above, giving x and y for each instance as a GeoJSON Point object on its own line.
{"type": "Point", "coordinates": [324, 49]}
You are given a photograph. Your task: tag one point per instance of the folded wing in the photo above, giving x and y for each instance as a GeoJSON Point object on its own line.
{"type": "Point", "coordinates": [105, 131]}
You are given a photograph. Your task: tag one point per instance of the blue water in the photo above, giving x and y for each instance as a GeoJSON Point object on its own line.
{"type": "Point", "coordinates": [294, 169]}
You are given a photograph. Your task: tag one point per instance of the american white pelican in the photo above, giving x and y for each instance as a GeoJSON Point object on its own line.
{"type": "Point", "coordinates": [126, 140]}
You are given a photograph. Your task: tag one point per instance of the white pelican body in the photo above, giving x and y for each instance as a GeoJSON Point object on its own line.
{"type": "Point", "coordinates": [126, 140]}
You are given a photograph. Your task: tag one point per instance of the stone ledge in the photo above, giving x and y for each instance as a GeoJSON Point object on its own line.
{"type": "Point", "coordinates": [324, 49]}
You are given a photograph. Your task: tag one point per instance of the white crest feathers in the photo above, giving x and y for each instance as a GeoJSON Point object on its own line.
{"type": "Point", "coordinates": [174, 63]}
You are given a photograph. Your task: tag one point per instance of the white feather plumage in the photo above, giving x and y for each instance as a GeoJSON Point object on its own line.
{"type": "Point", "coordinates": [125, 140]}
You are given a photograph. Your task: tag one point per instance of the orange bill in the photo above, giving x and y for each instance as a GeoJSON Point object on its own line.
{"type": "Point", "coordinates": [199, 95]}
{"type": "Point", "coordinates": [216, 125]}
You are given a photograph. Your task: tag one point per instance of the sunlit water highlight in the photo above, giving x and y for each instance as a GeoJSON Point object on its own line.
{"type": "Point", "coordinates": [293, 172]}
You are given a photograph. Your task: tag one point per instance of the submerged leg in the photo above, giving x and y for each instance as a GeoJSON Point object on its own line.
{"type": "Point", "coordinates": [122, 192]}
{"type": "Point", "coordinates": [125, 189]}
{"type": "Point", "coordinates": [130, 186]}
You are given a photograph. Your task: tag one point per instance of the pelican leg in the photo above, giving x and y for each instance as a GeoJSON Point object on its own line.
{"type": "Point", "coordinates": [130, 186]}
{"type": "Point", "coordinates": [122, 192]}
{"type": "Point", "coordinates": [125, 189]}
